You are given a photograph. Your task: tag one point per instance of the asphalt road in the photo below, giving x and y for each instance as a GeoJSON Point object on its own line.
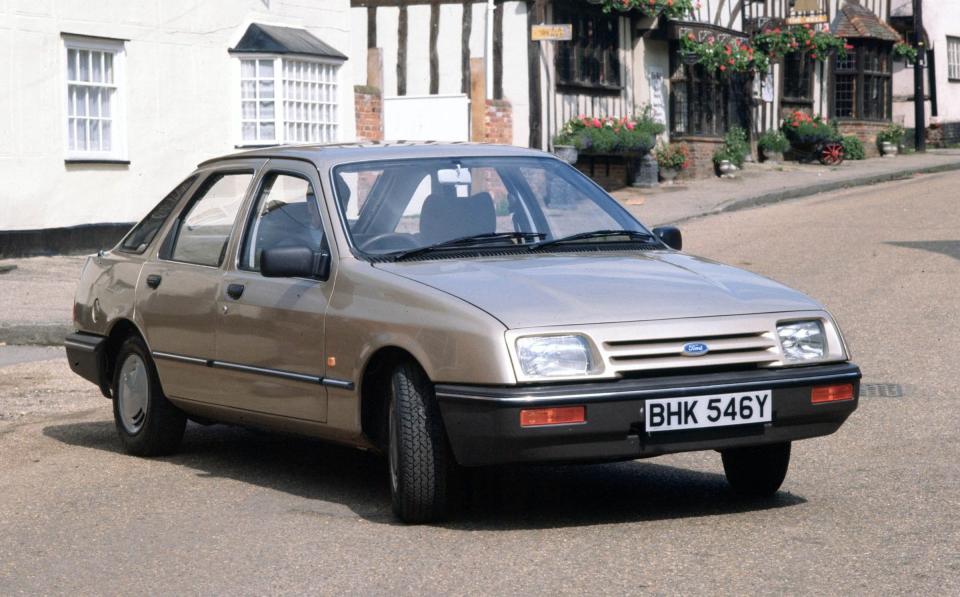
{"type": "Point", "coordinates": [870, 510]}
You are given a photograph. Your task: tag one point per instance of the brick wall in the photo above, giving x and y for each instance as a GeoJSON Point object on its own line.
{"type": "Point", "coordinates": [608, 171]}
{"type": "Point", "coordinates": [866, 132]}
{"type": "Point", "coordinates": [368, 103]}
{"type": "Point", "coordinates": [498, 122]}
{"type": "Point", "coordinates": [701, 156]}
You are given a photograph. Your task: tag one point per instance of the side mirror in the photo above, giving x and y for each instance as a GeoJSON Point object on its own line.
{"type": "Point", "coordinates": [670, 235]}
{"type": "Point", "coordinates": [295, 262]}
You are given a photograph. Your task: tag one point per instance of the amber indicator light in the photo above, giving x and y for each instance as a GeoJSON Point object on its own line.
{"type": "Point", "coordinates": [561, 415]}
{"type": "Point", "coordinates": [837, 393]}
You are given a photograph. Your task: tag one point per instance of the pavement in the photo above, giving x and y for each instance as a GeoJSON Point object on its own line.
{"type": "Point", "coordinates": [37, 293]}
{"type": "Point", "coordinates": [761, 184]}
{"type": "Point", "coordinates": [869, 510]}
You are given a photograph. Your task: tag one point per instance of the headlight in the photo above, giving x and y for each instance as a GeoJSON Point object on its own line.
{"type": "Point", "coordinates": [554, 356]}
{"type": "Point", "coordinates": [802, 341]}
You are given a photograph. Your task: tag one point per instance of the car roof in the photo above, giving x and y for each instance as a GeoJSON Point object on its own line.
{"type": "Point", "coordinates": [328, 155]}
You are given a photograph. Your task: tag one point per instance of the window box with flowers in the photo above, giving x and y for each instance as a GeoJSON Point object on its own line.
{"type": "Point", "coordinates": [629, 139]}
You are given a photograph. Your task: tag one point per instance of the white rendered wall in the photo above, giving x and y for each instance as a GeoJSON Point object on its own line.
{"type": "Point", "coordinates": [179, 90]}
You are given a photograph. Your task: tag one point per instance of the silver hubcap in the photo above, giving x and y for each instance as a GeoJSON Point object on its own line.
{"type": "Point", "coordinates": [394, 449]}
{"type": "Point", "coordinates": [133, 393]}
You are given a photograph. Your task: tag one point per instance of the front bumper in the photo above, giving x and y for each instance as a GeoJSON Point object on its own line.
{"type": "Point", "coordinates": [483, 423]}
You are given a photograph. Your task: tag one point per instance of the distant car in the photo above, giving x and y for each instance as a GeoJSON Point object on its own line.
{"type": "Point", "coordinates": [450, 306]}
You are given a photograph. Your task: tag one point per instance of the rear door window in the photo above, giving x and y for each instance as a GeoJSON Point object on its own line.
{"type": "Point", "coordinates": [204, 230]}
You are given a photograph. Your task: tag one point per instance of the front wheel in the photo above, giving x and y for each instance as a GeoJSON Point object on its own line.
{"type": "Point", "coordinates": [421, 464]}
{"type": "Point", "coordinates": [148, 425]}
{"type": "Point", "coordinates": [757, 471]}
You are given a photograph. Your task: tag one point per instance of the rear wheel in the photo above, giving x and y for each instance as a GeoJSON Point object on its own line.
{"type": "Point", "coordinates": [422, 468]}
{"type": "Point", "coordinates": [757, 471]}
{"type": "Point", "coordinates": [148, 425]}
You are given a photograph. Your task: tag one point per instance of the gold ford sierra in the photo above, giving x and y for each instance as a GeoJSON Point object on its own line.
{"type": "Point", "coordinates": [449, 306]}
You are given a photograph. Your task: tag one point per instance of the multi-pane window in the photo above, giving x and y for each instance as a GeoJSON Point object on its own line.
{"type": "Point", "coordinates": [258, 108]}
{"type": "Point", "coordinates": [93, 97]}
{"type": "Point", "coordinates": [288, 101]}
{"type": "Point", "coordinates": [592, 57]}
{"type": "Point", "coordinates": [797, 78]}
{"type": "Point", "coordinates": [863, 83]}
{"type": "Point", "coordinates": [705, 104]}
{"type": "Point", "coordinates": [953, 58]}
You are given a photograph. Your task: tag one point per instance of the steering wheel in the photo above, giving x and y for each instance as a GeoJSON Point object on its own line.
{"type": "Point", "coordinates": [382, 241]}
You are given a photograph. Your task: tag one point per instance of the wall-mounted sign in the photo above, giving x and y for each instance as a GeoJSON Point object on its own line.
{"type": "Point", "coordinates": [807, 19]}
{"type": "Point", "coordinates": [807, 12]}
{"type": "Point", "coordinates": [551, 32]}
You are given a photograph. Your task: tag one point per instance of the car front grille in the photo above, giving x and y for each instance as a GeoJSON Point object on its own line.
{"type": "Point", "coordinates": [756, 347]}
{"type": "Point", "coordinates": [746, 341]}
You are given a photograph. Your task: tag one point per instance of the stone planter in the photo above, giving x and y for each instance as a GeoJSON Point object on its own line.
{"type": "Point", "coordinates": [889, 150]}
{"type": "Point", "coordinates": [644, 169]}
{"type": "Point", "coordinates": [727, 169]}
{"type": "Point", "coordinates": [668, 174]}
{"type": "Point", "coordinates": [567, 153]}
{"type": "Point", "coordinates": [773, 157]}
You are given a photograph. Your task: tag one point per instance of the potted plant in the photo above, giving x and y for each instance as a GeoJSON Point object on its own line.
{"type": "Point", "coordinates": [773, 144]}
{"type": "Point", "coordinates": [672, 159]}
{"type": "Point", "coordinates": [727, 161]}
{"type": "Point", "coordinates": [889, 140]}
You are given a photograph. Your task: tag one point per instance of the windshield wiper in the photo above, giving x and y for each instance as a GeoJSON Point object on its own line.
{"type": "Point", "coordinates": [468, 242]}
{"type": "Point", "coordinates": [631, 235]}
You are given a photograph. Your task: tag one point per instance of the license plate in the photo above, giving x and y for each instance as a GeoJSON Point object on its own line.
{"type": "Point", "coordinates": [698, 412]}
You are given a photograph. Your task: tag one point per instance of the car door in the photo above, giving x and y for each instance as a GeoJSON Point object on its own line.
{"type": "Point", "coordinates": [177, 293]}
{"type": "Point", "coordinates": [270, 342]}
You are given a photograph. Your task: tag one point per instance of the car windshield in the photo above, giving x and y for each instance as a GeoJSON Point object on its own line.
{"type": "Point", "coordinates": [398, 207]}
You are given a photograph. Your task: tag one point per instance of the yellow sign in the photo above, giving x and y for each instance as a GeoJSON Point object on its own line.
{"type": "Point", "coordinates": [551, 32]}
{"type": "Point", "coordinates": [807, 19]}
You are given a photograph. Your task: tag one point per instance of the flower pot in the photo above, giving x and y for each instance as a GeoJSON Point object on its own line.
{"type": "Point", "coordinates": [668, 174]}
{"type": "Point", "coordinates": [773, 157]}
{"type": "Point", "coordinates": [889, 150]}
{"type": "Point", "coordinates": [567, 153]}
{"type": "Point", "coordinates": [727, 169]}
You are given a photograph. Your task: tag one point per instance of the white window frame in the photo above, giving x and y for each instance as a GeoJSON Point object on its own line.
{"type": "Point", "coordinates": [953, 59]}
{"type": "Point", "coordinates": [278, 96]}
{"type": "Point", "coordinates": [118, 106]}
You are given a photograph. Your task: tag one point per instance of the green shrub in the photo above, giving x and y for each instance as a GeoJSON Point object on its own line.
{"type": "Point", "coordinates": [853, 148]}
{"type": "Point", "coordinates": [774, 141]}
{"type": "Point", "coordinates": [734, 148]}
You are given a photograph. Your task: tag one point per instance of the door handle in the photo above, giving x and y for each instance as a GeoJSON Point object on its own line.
{"type": "Point", "coordinates": [235, 291]}
{"type": "Point", "coordinates": [153, 280]}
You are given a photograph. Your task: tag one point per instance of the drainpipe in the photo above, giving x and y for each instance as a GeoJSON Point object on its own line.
{"type": "Point", "coordinates": [919, 113]}
{"type": "Point", "coordinates": [488, 49]}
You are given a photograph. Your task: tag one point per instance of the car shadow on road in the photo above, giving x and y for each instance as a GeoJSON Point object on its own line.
{"type": "Point", "coordinates": [502, 498]}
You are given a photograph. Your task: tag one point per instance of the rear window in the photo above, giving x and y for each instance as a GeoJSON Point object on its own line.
{"type": "Point", "coordinates": [140, 237]}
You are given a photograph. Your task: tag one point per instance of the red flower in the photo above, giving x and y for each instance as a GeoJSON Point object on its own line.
{"type": "Point", "coordinates": [723, 67]}
{"type": "Point", "coordinates": [814, 56]}
{"type": "Point", "coordinates": [731, 61]}
{"type": "Point", "coordinates": [847, 47]}
{"type": "Point", "coordinates": [691, 36]}
{"type": "Point", "coordinates": [596, 123]}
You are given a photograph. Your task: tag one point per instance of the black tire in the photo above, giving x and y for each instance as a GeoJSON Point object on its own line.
{"type": "Point", "coordinates": [422, 470]}
{"type": "Point", "coordinates": [162, 424]}
{"type": "Point", "coordinates": [757, 471]}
